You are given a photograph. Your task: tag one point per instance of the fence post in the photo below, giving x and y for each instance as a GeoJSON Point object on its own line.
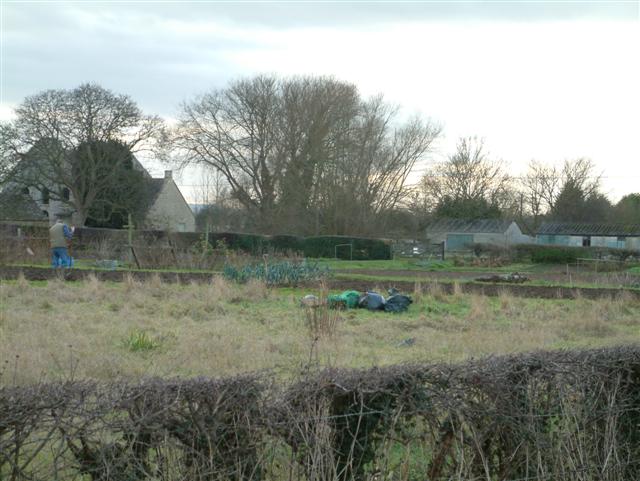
{"type": "Point", "coordinates": [129, 227]}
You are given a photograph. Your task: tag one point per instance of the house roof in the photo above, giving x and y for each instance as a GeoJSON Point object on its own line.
{"type": "Point", "coordinates": [584, 229]}
{"type": "Point", "coordinates": [15, 205]}
{"type": "Point", "coordinates": [477, 226]}
{"type": "Point", "coordinates": [155, 187]}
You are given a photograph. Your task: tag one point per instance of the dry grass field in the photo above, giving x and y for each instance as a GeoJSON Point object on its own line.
{"type": "Point", "coordinates": [105, 330]}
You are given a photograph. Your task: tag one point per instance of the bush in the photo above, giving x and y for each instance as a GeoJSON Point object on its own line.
{"type": "Point", "coordinates": [546, 254]}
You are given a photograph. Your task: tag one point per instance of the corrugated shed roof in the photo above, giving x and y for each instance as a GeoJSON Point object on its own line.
{"type": "Point", "coordinates": [15, 205]}
{"type": "Point", "coordinates": [587, 229]}
{"type": "Point", "coordinates": [477, 226]}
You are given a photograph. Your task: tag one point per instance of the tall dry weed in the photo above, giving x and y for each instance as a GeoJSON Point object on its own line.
{"type": "Point", "coordinates": [479, 308]}
{"type": "Point", "coordinates": [21, 281]}
{"type": "Point", "coordinates": [130, 281]}
{"type": "Point", "coordinates": [155, 281]}
{"type": "Point", "coordinates": [436, 291]}
{"type": "Point", "coordinates": [256, 289]}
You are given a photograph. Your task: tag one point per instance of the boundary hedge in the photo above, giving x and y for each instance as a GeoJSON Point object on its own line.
{"type": "Point", "coordinates": [552, 254]}
{"type": "Point", "coordinates": [539, 416]}
{"type": "Point", "coordinates": [255, 244]}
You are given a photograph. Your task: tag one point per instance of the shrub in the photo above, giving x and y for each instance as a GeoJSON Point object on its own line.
{"type": "Point", "coordinates": [546, 254]}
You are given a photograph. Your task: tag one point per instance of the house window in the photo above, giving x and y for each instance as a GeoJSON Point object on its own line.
{"type": "Point", "coordinates": [586, 241]}
{"type": "Point", "coordinates": [65, 194]}
{"type": "Point", "coordinates": [45, 195]}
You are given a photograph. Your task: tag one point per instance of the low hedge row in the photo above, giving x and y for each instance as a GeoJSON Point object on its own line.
{"type": "Point", "coordinates": [550, 254]}
{"type": "Point", "coordinates": [315, 247]}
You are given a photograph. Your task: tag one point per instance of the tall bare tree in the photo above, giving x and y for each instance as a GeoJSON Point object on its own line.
{"type": "Point", "coordinates": [58, 138]}
{"type": "Point", "coordinates": [233, 131]}
{"type": "Point", "coordinates": [542, 185]}
{"type": "Point", "coordinates": [306, 154]}
{"type": "Point", "coordinates": [8, 158]}
{"type": "Point", "coordinates": [468, 183]}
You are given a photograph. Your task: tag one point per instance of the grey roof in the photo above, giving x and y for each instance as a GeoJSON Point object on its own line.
{"type": "Point", "coordinates": [477, 226]}
{"type": "Point", "coordinates": [15, 205]}
{"type": "Point", "coordinates": [155, 187]}
{"type": "Point", "coordinates": [584, 229]}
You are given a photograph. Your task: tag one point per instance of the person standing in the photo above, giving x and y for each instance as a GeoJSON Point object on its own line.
{"type": "Point", "coordinates": [59, 236]}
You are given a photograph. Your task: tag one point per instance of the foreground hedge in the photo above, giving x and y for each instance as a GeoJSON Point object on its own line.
{"type": "Point", "coordinates": [540, 416]}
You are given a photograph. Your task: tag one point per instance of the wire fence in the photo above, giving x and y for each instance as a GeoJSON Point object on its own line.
{"type": "Point", "coordinates": [540, 416]}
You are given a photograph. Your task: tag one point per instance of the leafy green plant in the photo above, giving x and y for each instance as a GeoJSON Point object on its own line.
{"type": "Point", "coordinates": [283, 273]}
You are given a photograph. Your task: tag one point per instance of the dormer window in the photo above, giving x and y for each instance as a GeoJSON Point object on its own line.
{"type": "Point", "coordinates": [45, 195]}
{"type": "Point", "coordinates": [65, 194]}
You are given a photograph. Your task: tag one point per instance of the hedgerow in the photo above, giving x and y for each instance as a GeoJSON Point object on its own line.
{"type": "Point", "coordinates": [538, 416]}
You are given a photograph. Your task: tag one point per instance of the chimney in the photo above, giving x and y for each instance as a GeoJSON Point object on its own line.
{"type": "Point", "coordinates": [167, 174]}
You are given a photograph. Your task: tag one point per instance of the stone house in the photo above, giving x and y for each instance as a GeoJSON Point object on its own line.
{"type": "Point", "coordinates": [17, 206]}
{"type": "Point", "coordinates": [617, 236]}
{"type": "Point", "coordinates": [459, 234]}
{"type": "Point", "coordinates": [168, 210]}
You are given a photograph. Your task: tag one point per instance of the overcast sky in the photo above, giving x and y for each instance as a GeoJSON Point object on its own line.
{"type": "Point", "coordinates": [537, 80]}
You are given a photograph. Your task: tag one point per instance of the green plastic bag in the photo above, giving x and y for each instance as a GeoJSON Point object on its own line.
{"type": "Point", "coordinates": [346, 300]}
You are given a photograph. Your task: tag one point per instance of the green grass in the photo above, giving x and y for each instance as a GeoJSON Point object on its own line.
{"type": "Point", "coordinates": [420, 265]}
{"type": "Point", "coordinates": [136, 329]}
{"type": "Point", "coordinates": [137, 340]}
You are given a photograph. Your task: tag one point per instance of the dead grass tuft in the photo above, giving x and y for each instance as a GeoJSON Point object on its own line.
{"type": "Point", "coordinates": [436, 291]}
{"type": "Point", "coordinates": [21, 281]}
{"type": "Point", "coordinates": [479, 308]}
{"type": "Point", "coordinates": [130, 281]}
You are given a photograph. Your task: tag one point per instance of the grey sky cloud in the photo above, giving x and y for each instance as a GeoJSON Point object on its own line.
{"type": "Point", "coordinates": [478, 67]}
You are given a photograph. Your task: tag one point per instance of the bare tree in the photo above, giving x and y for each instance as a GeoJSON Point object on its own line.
{"type": "Point", "coordinates": [232, 130]}
{"type": "Point", "coordinates": [58, 137]}
{"type": "Point", "coordinates": [307, 154]}
{"type": "Point", "coordinates": [468, 177]}
{"type": "Point", "coordinates": [8, 159]}
{"type": "Point", "coordinates": [542, 184]}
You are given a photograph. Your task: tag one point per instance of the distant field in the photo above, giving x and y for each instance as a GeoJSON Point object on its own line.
{"type": "Point", "coordinates": [108, 330]}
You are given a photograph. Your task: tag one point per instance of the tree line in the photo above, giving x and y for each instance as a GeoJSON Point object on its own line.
{"type": "Point", "coordinates": [302, 155]}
